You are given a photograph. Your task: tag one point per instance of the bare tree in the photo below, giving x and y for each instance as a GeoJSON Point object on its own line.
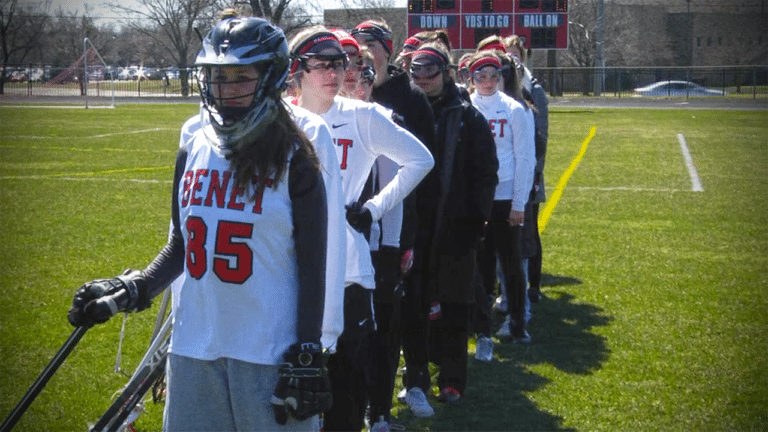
{"type": "Point", "coordinates": [354, 12]}
{"type": "Point", "coordinates": [173, 25]}
{"type": "Point", "coordinates": [21, 31]}
{"type": "Point", "coordinates": [289, 15]}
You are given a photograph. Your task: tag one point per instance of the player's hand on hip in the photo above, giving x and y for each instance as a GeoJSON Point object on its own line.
{"type": "Point", "coordinates": [516, 218]}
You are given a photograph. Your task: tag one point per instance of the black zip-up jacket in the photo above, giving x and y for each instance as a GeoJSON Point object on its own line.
{"type": "Point", "coordinates": [410, 102]}
{"type": "Point", "coordinates": [462, 184]}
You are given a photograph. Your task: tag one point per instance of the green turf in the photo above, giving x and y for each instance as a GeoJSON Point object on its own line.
{"type": "Point", "coordinates": [655, 305]}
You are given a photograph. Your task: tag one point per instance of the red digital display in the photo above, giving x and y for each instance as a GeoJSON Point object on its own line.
{"type": "Point", "coordinates": [542, 23]}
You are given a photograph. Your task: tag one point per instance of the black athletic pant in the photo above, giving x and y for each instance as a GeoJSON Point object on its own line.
{"type": "Point", "coordinates": [450, 334]}
{"type": "Point", "coordinates": [385, 341]}
{"type": "Point", "coordinates": [348, 366]}
{"type": "Point", "coordinates": [504, 240]}
{"type": "Point", "coordinates": [534, 262]}
{"type": "Point", "coordinates": [414, 334]}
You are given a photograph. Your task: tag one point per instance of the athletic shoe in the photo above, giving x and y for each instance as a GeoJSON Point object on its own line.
{"type": "Point", "coordinates": [434, 311]}
{"type": "Point", "coordinates": [484, 351]}
{"type": "Point", "coordinates": [401, 395]}
{"type": "Point", "coordinates": [523, 338]}
{"type": "Point", "coordinates": [534, 294]}
{"type": "Point", "coordinates": [449, 395]}
{"type": "Point", "coordinates": [417, 402]}
{"type": "Point", "coordinates": [504, 331]}
{"type": "Point", "coordinates": [500, 305]}
{"type": "Point", "coordinates": [381, 425]}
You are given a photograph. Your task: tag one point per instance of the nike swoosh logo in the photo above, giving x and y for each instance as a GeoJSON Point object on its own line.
{"type": "Point", "coordinates": [336, 126]}
{"type": "Point", "coordinates": [362, 322]}
{"type": "Point", "coordinates": [497, 112]}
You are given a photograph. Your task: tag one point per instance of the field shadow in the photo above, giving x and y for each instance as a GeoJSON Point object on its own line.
{"type": "Point", "coordinates": [557, 280]}
{"type": "Point", "coordinates": [497, 396]}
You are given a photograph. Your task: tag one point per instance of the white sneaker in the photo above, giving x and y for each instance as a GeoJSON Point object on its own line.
{"type": "Point", "coordinates": [381, 426]}
{"type": "Point", "coordinates": [401, 395]}
{"type": "Point", "coordinates": [417, 402]}
{"type": "Point", "coordinates": [500, 305]}
{"type": "Point", "coordinates": [504, 330]}
{"type": "Point", "coordinates": [484, 351]}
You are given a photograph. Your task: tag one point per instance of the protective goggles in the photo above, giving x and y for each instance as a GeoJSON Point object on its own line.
{"type": "Point", "coordinates": [368, 74]}
{"type": "Point", "coordinates": [373, 32]}
{"type": "Point", "coordinates": [429, 70]}
{"type": "Point", "coordinates": [338, 65]}
{"type": "Point", "coordinates": [484, 75]}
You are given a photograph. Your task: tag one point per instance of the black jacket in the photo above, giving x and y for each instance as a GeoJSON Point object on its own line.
{"type": "Point", "coordinates": [410, 102]}
{"type": "Point", "coordinates": [457, 195]}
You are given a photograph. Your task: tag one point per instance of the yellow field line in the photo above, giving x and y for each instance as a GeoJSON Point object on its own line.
{"type": "Point", "coordinates": [552, 202]}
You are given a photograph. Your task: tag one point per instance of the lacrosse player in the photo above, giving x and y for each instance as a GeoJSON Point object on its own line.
{"type": "Point", "coordinates": [249, 214]}
{"type": "Point", "coordinates": [361, 132]}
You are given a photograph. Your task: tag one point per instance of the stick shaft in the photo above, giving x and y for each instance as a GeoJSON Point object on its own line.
{"type": "Point", "coordinates": [42, 380]}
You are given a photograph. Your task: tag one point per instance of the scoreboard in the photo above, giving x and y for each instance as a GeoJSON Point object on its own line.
{"type": "Point", "coordinates": [543, 24]}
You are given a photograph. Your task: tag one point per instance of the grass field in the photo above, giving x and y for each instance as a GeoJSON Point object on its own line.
{"type": "Point", "coordinates": [655, 309]}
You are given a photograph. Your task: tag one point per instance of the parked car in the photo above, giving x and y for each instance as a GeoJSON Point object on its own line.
{"type": "Point", "coordinates": [155, 74]}
{"type": "Point", "coordinates": [677, 88]}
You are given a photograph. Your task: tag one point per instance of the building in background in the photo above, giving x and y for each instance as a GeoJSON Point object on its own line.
{"type": "Point", "coordinates": [635, 32]}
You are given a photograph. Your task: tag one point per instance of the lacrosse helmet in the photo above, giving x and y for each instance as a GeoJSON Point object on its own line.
{"type": "Point", "coordinates": [242, 42]}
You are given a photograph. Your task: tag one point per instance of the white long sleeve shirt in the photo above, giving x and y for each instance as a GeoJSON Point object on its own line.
{"type": "Point", "coordinates": [317, 132]}
{"type": "Point", "coordinates": [513, 132]}
{"type": "Point", "coordinates": [362, 132]}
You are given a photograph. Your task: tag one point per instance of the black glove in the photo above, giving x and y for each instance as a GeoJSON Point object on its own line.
{"type": "Point", "coordinates": [359, 217]}
{"type": "Point", "coordinates": [85, 309]}
{"type": "Point", "coordinates": [303, 389]}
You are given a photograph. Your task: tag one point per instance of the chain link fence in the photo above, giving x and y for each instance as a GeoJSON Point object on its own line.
{"type": "Point", "coordinates": [690, 82]}
{"type": "Point", "coordinates": [33, 80]}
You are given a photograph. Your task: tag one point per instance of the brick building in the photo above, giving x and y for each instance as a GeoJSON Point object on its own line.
{"type": "Point", "coordinates": [637, 32]}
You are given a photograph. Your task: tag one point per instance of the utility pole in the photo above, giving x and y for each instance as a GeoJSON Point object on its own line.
{"type": "Point", "coordinates": [599, 62]}
{"type": "Point", "coordinates": [690, 34]}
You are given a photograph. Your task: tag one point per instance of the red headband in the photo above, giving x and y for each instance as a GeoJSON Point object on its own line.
{"type": "Point", "coordinates": [321, 41]}
{"type": "Point", "coordinates": [347, 40]}
{"type": "Point", "coordinates": [412, 43]}
{"type": "Point", "coordinates": [495, 45]}
{"type": "Point", "coordinates": [377, 32]}
{"type": "Point", "coordinates": [485, 61]}
{"type": "Point", "coordinates": [438, 57]}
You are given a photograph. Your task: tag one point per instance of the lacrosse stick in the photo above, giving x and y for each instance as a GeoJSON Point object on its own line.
{"type": "Point", "coordinates": [103, 307]}
{"type": "Point", "coordinates": [149, 370]}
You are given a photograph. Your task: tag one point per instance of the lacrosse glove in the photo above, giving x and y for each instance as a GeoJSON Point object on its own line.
{"type": "Point", "coordinates": [359, 217]}
{"type": "Point", "coordinates": [303, 389]}
{"type": "Point", "coordinates": [87, 310]}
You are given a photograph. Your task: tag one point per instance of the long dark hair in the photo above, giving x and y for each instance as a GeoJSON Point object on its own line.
{"type": "Point", "coordinates": [267, 157]}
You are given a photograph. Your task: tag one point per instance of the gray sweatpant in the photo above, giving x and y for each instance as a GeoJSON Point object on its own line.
{"type": "Point", "coordinates": [223, 395]}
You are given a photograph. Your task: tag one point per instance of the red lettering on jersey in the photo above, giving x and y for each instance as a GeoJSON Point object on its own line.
{"type": "Point", "coordinates": [220, 189]}
{"type": "Point", "coordinates": [185, 191]}
{"type": "Point", "coordinates": [197, 186]}
{"type": "Point", "coordinates": [502, 122]}
{"type": "Point", "coordinates": [234, 204]}
{"type": "Point", "coordinates": [345, 144]}
{"type": "Point", "coordinates": [257, 199]}
{"type": "Point", "coordinates": [493, 123]}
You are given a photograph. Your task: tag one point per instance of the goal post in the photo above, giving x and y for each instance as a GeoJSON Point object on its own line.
{"type": "Point", "coordinates": [95, 69]}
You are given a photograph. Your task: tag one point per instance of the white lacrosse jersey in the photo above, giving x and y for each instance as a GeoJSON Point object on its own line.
{"type": "Point", "coordinates": [317, 132]}
{"type": "Point", "coordinates": [515, 146]}
{"type": "Point", "coordinates": [361, 132]}
{"type": "Point", "coordinates": [336, 258]}
{"type": "Point", "coordinates": [238, 298]}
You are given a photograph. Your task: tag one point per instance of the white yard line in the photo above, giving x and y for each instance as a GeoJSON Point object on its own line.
{"type": "Point", "coordinates": [34, 137]}
{"type": "Point", "coordinates": [57, 178]}
{"type": "Point", "coordinates": [626, 188]}
{"type": "Point", "coordinates": [695, 180]}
